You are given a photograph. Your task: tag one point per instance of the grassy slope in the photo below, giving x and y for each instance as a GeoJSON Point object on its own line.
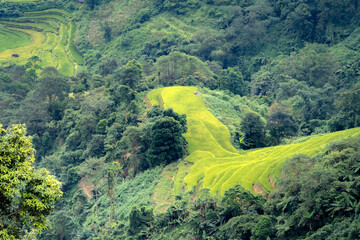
{"type": "Point", "coordinates": [24, 52]}
{"type": "Point", "coordinates": [47, 34]}
{"type": "Point", "coordinates": [213, 163]}
{"type": "Point", "coordinates": [10, 39]}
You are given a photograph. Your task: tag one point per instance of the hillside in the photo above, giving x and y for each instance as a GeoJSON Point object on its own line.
{"type": "Point", "coordinates": [183, 119]}
{"type": "Point", "coordinates": [213, 163]}
{"type": "Point", "coordinates": [46, 34]}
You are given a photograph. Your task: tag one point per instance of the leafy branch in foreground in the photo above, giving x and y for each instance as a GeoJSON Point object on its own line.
{"type": "Point", "coordinates": [27, 195]}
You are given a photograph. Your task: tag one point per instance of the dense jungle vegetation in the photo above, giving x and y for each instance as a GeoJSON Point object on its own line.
{"type": "Point", "coordinates": [138, 160]}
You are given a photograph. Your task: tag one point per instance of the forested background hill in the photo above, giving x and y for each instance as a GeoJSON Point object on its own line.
{"type": "Point", "coordinates": [139, 160]}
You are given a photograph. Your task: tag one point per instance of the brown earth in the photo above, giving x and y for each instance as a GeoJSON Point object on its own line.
{"type": "Point", "coordinates": [86, 187]}
{"type": "Point", "coordinates": [271, 180]}
{"type": "Point", "coordinates": [258, 189]}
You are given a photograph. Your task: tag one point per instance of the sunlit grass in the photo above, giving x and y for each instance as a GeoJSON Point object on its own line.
{"type": "Point", "coordinates": [74, 54]}
{"type": "Point", "coordinates": [10, 39]}
{"type": "Point", "coordinates": [65, 66]}
{"type": "Point", "coordinates": [38, 25]}
{"type": "Point", "coordinates": [213, 163]}
{"type": "Point", "coordinates": [24, 52]}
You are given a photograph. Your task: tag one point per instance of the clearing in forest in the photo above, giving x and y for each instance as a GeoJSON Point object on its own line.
{"type": "Point", "coordinates": [213, 162]}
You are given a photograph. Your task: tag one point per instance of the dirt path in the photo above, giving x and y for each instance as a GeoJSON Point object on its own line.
{"type": "Point", "coordinates": [86, 187]}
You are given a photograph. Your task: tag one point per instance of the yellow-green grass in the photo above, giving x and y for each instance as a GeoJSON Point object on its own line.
{"type": "Point", "coordinates": [213, 163]}
{"type": "Point", "coordinates": [18, 1]}
{"type": "Point", "coordinates": [54, 45]}
{"type": "Point", "coordinates": [201, 123]}
{"type": "Point", "coordinates": [24, 52]}
{"type": "Point", "coordinates": [53, 22]}
{"type": "Point", "coordinates": [44, 52]}
{"type": "Point", "coordinates": [49, 11]}
{"type": "Point", "coordinates": [162, 197]}
{"type": "Point", "coordinates": [39, 26]}
{"type": "Point", "coordinates": [165, 25]}
{"type": "Point", "coordinates": [46, 16]}
{"type": "Point", "coordinates": [10, 39]}
{"type": "Point", "coordinates": [65, 66]}
{"type": "Point", "coordinates": [73, 53]}
{"type": "Point", "coordinates": [154, 96]}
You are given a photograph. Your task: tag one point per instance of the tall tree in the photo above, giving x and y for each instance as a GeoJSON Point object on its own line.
{"type": "Point", "coordinates": [349, 102]}
{"type": "Point", "coordinates": [232, 80]}
{"type": "Point", "coordinates": [281, 124]}
{"type": "Point", "coordinates": [167, 142]}
{"type": "Point", "coordinates": [133, 74]}
{"type": "Point", "coordinates": [254, 129]}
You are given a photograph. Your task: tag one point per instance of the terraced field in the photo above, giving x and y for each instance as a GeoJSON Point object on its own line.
{"type": "Point", "coordinates": [213, 163]}
{"type": "Point", "coordinates": [47, 34]}
{"type": "Point", "coordinates": [10, 38]}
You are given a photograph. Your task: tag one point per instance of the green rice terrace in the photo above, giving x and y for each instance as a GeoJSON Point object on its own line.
{"type": "Point", "coordinates": [47, 34]}
{"type": "Point", "coordinates": [214, 163]}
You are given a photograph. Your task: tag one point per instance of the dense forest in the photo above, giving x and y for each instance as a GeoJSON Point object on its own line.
{"type": "Point", "coordinates": [108, 109]}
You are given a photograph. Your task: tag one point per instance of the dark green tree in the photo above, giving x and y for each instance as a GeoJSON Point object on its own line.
{"type": "Point", "coordinates": [232, 80]}
{"type": "Point", "coordinates": [349, 102]}
{"type": "Point", "coordinates": [133, 74]}
{"type": "Point", "coordinates": [167, 142]}
{"type": "Point", "coordinates": [253, 128]}
{"type": "Point", "coordinates": [280, 123]}
{"type": "Point", "coordinates": [92, 3]}
{"type": "Point", "coordinates": [316, 194]}
{"type": "Point", "coordinates": [121, 94]}
{"type": "Point", "coordinates": [140, 222]}
{"type": "Point", "coordinates": [52, 85]}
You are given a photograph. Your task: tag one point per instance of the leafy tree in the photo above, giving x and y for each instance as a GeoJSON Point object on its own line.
{"type": "Point", "coordinates": [121, 94]}
{"type": "Point", "coordinates": [280, 124]}
{"type": "Point", "coordinates": [253, 128]}
{"type": "Point", "coordinates": [262, 84]}
{"type": "Point", "coordinates": [313, 64]}
{"type": "Point", "coordinates": [167, 141]}
{"type": "Point", "coordinates": [177, 66]}
{"type": "Point", "coordinates": [52, 85]}
{"type": "Point", "coordinates": [349, 102]}
{"type": "Point", "coordinates": [321, 191]}
{"type": "Point", "coordinates": [301, 21]}
{"type": "Point", "coordinates": [238, 201]}
{"type": "Point", "coordinates": [232, 80]}
{"type": "Point", "coordinates": [263, 229]}
{"type": "Point", "coordinates": [64, 226]}
{"type": "Point", "coordinates": [239, 227]}
{"type": "Point", "coordinates": [248, 28]}
{"type": "Point", "coordinates": [133, 74]}
{"type": "Point", "coordinates": [140, 222]}
{"type": "Point", "coordinates": [27, 195]}
{"type": "Point", "coordinates": [181, 118]}
{"type": "Point", "coordinates": [112, 172]}
{"type": "Point", "coordinates": [92, 3]}
{"type": "Point", "coordinates": [107, 66]}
